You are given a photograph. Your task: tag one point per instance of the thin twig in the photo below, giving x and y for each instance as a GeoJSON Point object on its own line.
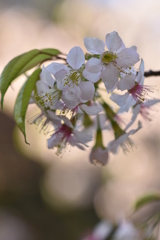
{"type": "Point", "coordinates": [151, 73]}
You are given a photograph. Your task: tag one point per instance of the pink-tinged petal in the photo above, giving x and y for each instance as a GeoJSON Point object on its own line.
{"type": "Point", "coordinates": [113, 41]}
{"type": "Point", "coordinates": [70, 99]}
{"type": "Point", "coordinates": [75, 57]}
{"type": "Point", "coordinates": [42, 87]}
{"type": "Point", "coordinates": [140, 77]}
{"type": "Point", "coordinates": [94, 45]}
{"type": "Point", "coordinates": [55, 67]}
{"type": "Point", "coordinates": [91, 110]}
{"type": "Point", "coordinates": [136, 111]}
{"type": "Point", "coordinates": [99, 155]}
{"type": "Point", "coordinates": [119, 99]}
{"type": "Point", "coordinates": [126, 83]}
{"type": "Point", "coordinates": [130, 102]}
{"type": "Point", "coordinates": [46, 77]}
{"type": "Point", "coordinates": [86, 92]}
{"type": "Point", "coordinates": [127, 57]}
{"type": "Point", "coordinates": [109, 76]}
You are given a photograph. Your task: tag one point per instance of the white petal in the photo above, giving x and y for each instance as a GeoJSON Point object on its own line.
{"type": "Point", "coordinates": [126, 231]}
{"type": "Point", "coordinates": [140, 77]}
{"type": "Point", "coordinates": [75, 57]}
{"type": "Point", "coordinates": [91, 110]}
{"type": "Point", "coordinates": [93, 69]}
{"type": "Point", "coordinates": [127, 82]}
{"type": "Point", "coordinates": [86, 92]}
{"type": "Point", "coordinates": [42, 87]}
{"type": "Point", "coordinates": [133, 131]}
{"type": "Point", "coordinates": [55, 67]}
{"type": "Point", "coordinates": [53, 141]}
{"type": "Point", "coordinates": [113, 41]}
{"type": "Point", "coordinates": [59, 76]}
{"type": "Point", "coordinates": [46, 77]}
{"type": "Point", "coordinates": [130, 102]}
{"type": "Point", "coordinates": [136, 111]}
{"type": "Point", "coordinates": [114, 145]}
{"type": "Point", "coordinates": [66, 121]}
{"type": "Point", "coordinates": [119, 99]}
{"type": "Point", "coordinates": [93, 77]}
{"type": "Point", "coordinates": [82, 137]}
{"type": "Point", "coordinates": [127, 57]}
{"type": "Point", "coordinates": [94, 65]}
{"type": "Point", "coordinates": [71, 100]}
{"type": "Point", "coordinates": [53, 118]}
{"type": "Point", "coordinates": [94, 45]}
{"type": "Point", "coordinates": [110, 77]}
{"type": "Point", "coordinates": [150, 103]}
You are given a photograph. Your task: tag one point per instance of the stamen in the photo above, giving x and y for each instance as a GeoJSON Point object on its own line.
{"type": "Point", "coordinates": [108, 57]}
{"type": "Point", "coordinates": [139, 92]}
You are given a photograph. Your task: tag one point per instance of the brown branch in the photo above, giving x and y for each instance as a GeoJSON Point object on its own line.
{"type": "Point", "coordinates": [151, 73]}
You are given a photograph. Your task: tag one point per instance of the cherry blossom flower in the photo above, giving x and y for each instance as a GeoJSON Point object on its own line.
{"type": "Point", "coordinates": [75, 89]}
{"type": "Point", "coordinates": [66, 134]}
{"type": "Point", "coordinates": [123, 140]}
{"type": "Point", "coordinates": [108, 65]}
{"type": "Point", "coordinates": [136, 90]}
{"type": "Point", "coordinates": [143, 109]}
{"type": "Point", "coordinates": [47, 91]}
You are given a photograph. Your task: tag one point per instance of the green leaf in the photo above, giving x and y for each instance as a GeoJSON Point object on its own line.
{"type": "Point", "coordinates": [35, 61]}
{"type": "Point", "coordinates": [12, 70]}
{"type": "Point", "coordinates": [22, 101]}
{"type": "Point", "coordinates": [50, 51]}
{"type": "Point", "coordinates": [21, 64]}
{"type": "Point", "coordinates": [141, 202]}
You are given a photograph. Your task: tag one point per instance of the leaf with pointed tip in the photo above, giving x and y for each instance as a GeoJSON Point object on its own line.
{"type": "Point", "coordinates": [141, 202]}
{"type": "Point", "coordinates": [22, 100]}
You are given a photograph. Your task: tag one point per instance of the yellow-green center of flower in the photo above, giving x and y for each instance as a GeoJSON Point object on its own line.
{"type": "Point", "coordinates": [74, 77]}
{"type": "Point", "coordinates": [108, 57]}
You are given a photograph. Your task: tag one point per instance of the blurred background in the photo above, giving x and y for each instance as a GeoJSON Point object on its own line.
{"type": "Point", "coordinates": [43, 196]}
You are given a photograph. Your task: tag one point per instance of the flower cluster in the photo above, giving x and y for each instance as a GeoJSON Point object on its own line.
{"type": "Point", "coordinates": [69, 96]}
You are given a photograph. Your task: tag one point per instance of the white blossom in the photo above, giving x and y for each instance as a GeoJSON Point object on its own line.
{"type": "Point", "coordinates": [75, 89]}
{"type": "Point", "coordinates": [109, 64]}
